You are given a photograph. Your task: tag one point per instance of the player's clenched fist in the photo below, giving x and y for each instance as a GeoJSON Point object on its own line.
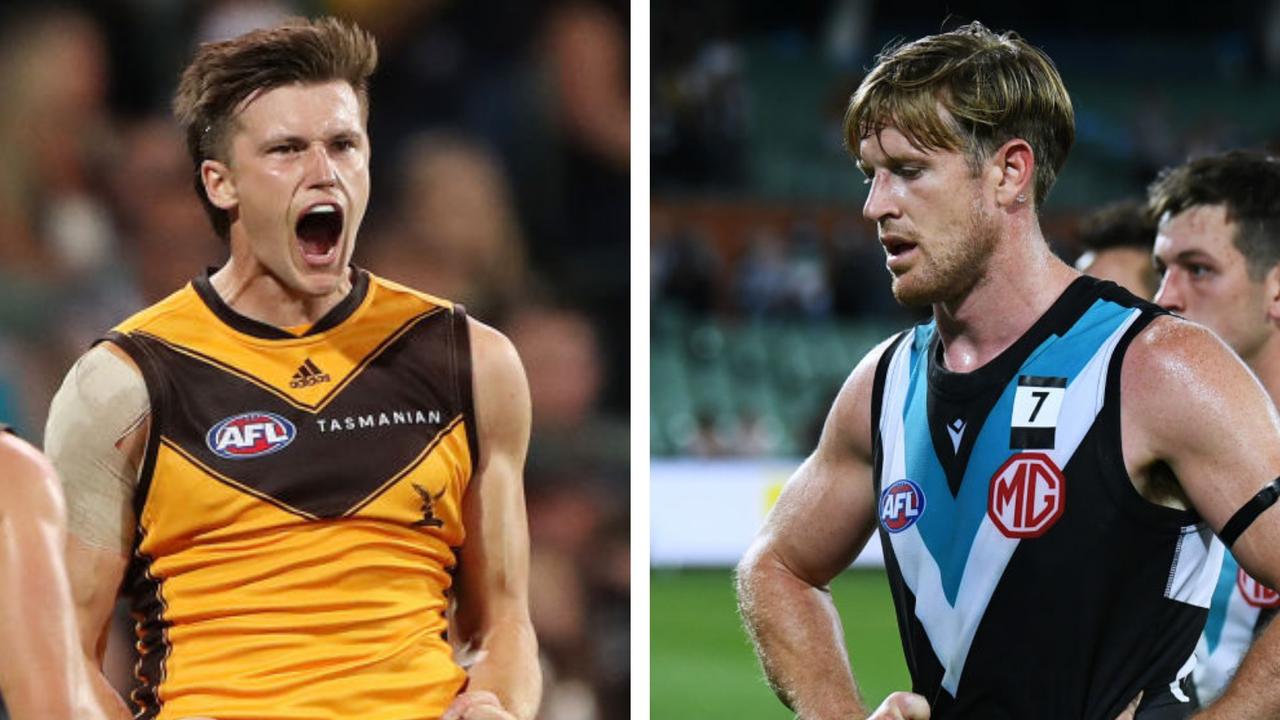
{"type": "Point", "coordinates": [902, 706]}
{"type": "Point", "coordinates": [477, 705]}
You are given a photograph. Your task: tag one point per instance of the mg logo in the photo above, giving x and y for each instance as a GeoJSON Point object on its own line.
{"type": "Point", "coordinates": [901, 504]}
{"type": "Point", "coordinates": [1027, 495]}
{"type": "Point", "coordinates": [250, 435]}
{"type": "Point", "coordinates": [1255, 593]}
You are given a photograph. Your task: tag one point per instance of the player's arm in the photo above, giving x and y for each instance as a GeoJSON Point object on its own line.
{"type": "Point", "coordinates": [822, 519]}
{"type": "Point", "coordinates": [95, 437]}
{"type": "Point", "coordinates": [40, 676]}
{"type": "Point", "coordinates": [1189, 402]}
{"type": "Point", "coordinates": [492, 613]}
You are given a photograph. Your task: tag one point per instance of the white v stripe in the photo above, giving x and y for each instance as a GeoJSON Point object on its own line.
{"type": "Point", "coordinates": [951, 629]}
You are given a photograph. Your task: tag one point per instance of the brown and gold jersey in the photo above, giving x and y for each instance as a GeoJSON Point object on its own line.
{"type": "Point", "coordinates": [300, 506]}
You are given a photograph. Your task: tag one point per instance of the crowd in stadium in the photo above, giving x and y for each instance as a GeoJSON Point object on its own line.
{"type": "Point", "coordinates": [757, 219]}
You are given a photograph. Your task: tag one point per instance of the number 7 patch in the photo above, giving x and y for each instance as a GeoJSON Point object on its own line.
{"type": "Point", "coordinates": [1036, 403]}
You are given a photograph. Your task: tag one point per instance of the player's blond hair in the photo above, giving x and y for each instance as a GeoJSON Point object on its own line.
{"type": "Point", "coordinates": [968, 90]}
{"type": "Point", "coordinates": [223, 75]}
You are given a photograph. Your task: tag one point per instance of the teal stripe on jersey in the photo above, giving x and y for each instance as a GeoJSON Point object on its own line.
{"type": "Point", "coordinates": [1221, 598]}
{"type": "Point", "coordinates": [951, 523]}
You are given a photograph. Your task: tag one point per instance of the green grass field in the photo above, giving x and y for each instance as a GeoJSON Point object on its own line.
{"type": "Point", "coordinates": [701, 665]}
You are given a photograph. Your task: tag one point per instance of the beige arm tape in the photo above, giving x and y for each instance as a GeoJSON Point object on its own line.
{"type": "Point", "coordinates": [102, 399]}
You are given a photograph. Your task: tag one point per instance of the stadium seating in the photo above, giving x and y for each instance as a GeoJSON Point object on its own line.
{"type": "Point", "coordinates": [738, 387]}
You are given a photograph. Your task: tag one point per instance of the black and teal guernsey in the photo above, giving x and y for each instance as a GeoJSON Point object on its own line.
{"type": "Point", "coordinates": [1240, 610]}
{"type": "Point", "coordinates": [1030, 578]}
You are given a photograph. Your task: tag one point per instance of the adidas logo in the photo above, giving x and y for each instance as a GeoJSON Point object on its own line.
{"type": "Point", "coordinates": [308, 374]}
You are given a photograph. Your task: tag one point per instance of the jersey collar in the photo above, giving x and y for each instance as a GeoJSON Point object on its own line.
{"type": "Point", "coordinates": [249, 326]}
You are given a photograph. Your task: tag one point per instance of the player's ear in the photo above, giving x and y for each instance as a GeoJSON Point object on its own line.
{"type": "Point", "coordinates": [219, 184]}
{"type": "Point", "coordinates": [1015, 165]}
{"type": "Point", "coordinates": [1271, 286]}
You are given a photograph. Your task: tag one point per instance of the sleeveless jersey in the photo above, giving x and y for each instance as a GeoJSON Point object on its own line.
{"type": "Point", "coordinates": [1240, 608]}
{"type": "Point", "coordinates": [1029, 577]}
{"type": "Point", "coordinates": [300, 507]}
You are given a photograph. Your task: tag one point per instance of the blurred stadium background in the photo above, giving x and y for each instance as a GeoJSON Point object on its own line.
{"type": "Point", "coordinates": [767, 285]}
{"type": "Point", "coordinates": [501, 157]}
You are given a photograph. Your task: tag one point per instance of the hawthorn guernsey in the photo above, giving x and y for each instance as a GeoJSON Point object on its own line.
{"type": "Point", "coordinates": [1005, 510]}
{"type": "Point", "coordinates": [329, 514]}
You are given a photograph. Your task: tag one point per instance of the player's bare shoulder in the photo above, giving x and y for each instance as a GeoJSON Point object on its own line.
{"type": "Point", "coordinates": [501, 390]}
{"type": "Point", "coordinates": [1182, 385]}
{"type": "Point", "coordinates": [492, 352]}
{"type": "Point", "coordinates": [1188, 403]}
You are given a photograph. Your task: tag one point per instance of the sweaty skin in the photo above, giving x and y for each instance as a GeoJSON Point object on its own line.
{"type": "Point", "coordinates": [1199, 431]}
{"type": "Point", "coordinates": [40, 676]}
{"type": "Point", "coordinates": [1207, 279]}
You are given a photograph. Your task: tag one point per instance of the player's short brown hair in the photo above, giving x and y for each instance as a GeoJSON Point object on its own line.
{"type": "Point", "coordinates": [223, 75]}
{"type": "Point", "coordinates": [969, 90]}
{"type": "Point", "coordinates": [1124, 224]}
{"type": "Point", "coordinates": [1246, 183]}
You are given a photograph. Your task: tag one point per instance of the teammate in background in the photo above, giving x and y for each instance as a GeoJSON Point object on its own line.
{"type": "Point", "coordinates": [1218, 250]}
{"type": "Point", "coordinates": [40, 676]}
{"type": "Point", "coordinates": [296, 466]}
{"type": "Point", "coordinates": [1043, 563]}
{"type": "Point", "coordinates": [1117, 241]}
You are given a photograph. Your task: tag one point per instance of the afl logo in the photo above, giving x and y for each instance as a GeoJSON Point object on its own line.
{"type": "Point", "coordinates": [1027, 496]}
{"type": "Point", "coordinates": [250, 435]}
{"type": "Point", "coordinates": [901, 505]}
{"type": "Point", "coordinates": [1255, 593]}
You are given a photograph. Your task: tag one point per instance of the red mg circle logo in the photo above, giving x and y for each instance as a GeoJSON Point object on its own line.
{"type": "Point", "coordinates": [901, 504]}
{"type": "Point", "coordinates": [1255, 593]}
{"type": "Point", "coordinates": [1028, 494]}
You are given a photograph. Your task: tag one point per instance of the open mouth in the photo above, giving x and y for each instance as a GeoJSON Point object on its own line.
{"type": "Point", "coordinates": [896, 246]}
{"type": "Point", "coordinates": [318, 230]}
